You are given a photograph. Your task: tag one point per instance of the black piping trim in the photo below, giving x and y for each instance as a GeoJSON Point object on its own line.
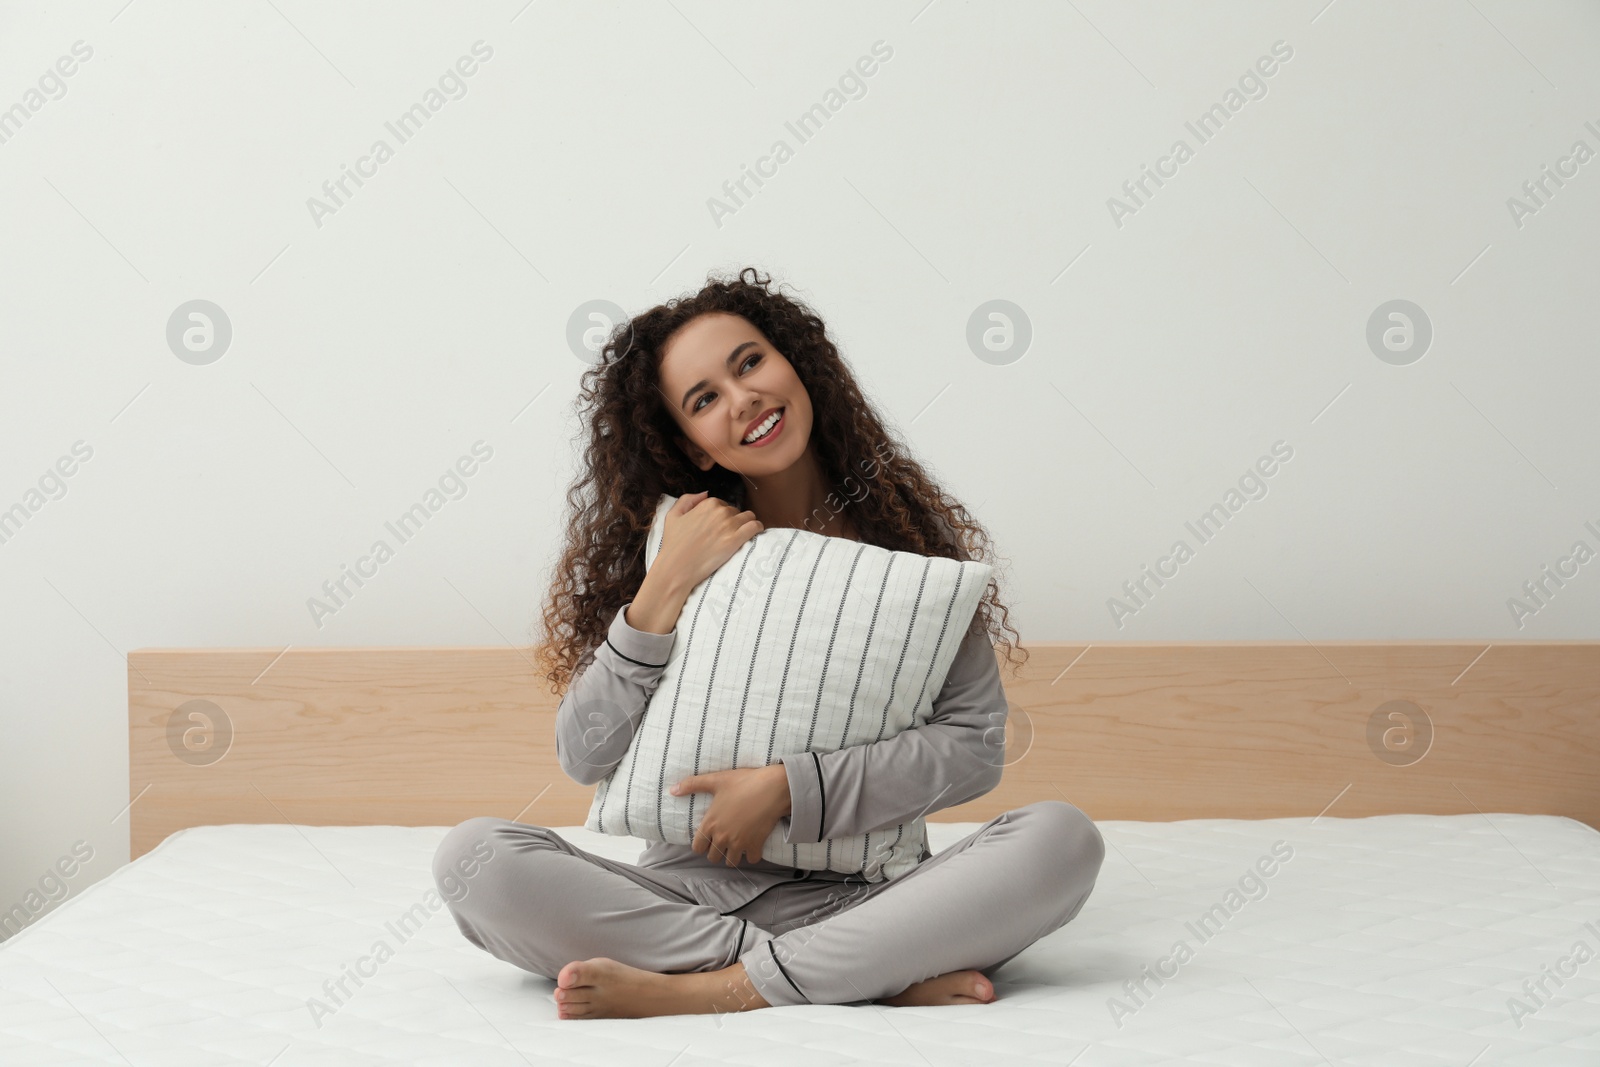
{"type": "Point", "coordinates": [785, 974]}
{"type": "Point", "coordinates": [742, 930]}
{"type": "Point", "coordinates": [630, 659]}
{"type": "Point", "coordinates": [822, 817]}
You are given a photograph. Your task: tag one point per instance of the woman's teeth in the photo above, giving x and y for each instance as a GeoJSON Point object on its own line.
{"type": "Point", "coordinates": [765, 428]}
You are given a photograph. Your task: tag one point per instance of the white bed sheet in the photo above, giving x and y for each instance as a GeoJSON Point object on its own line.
{"type": "Point", "coordinates": [1383, 941]}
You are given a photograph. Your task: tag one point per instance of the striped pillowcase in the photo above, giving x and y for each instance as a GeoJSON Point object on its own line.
{"type": "Point", "coordinates": [798, 643]}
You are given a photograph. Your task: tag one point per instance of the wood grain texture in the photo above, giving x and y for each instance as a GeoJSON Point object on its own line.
{"type": "Point", "coordinates": [1140, 730]}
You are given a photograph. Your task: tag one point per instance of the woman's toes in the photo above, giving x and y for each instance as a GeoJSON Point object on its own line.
{"type": "Point", "coordinates": [580, 973]}
{"type": "Point", "coordinates": [573, 1002]}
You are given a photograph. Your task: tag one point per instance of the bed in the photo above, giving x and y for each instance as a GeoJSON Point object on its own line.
{"type": "Point", "coordinates": [1419, 818]}
{"type": "Point", "coordinates": [1393, 939]}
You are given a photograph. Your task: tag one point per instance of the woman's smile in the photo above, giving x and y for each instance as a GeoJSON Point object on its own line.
{"type": "Point", "coordinates": [775, 429]}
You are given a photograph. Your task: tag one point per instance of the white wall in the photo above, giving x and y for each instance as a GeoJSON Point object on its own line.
{"type": "Point", "coordinates": [1170, 348]}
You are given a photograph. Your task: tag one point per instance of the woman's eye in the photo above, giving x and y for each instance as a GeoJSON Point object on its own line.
{"type": "Point", "coordinates": [753, 357]}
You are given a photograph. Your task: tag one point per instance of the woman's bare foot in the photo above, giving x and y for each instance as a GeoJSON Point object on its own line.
{"type": "Point", "coordinates": [956, 987]}
{"type": "Point", "coordinates": [602, 988]}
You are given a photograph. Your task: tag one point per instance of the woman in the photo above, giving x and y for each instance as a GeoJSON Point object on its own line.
{"type": "Point", "coordinates": [735, 401]}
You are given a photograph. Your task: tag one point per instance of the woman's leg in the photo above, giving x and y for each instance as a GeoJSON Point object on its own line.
{"type": "Point", "coordinates": [528, 896]}
{"type": "Point", "coordinates": [975, 905]}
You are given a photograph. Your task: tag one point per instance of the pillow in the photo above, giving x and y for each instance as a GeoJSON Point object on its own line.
{"type": "Point", "coordinates": [799, 643]}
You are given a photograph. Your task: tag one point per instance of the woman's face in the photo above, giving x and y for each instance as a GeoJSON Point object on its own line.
{"type": "Point", "coordinates": [722, 380]}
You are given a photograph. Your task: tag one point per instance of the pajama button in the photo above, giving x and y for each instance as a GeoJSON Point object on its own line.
{"type": "Point", "coordinates": [798, 873]}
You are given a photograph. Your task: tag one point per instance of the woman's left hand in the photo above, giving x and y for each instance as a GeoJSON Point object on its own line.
{"type": "Point", "coordinates": [746, 804]}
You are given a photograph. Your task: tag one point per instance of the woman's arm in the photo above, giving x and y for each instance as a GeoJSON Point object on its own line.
{"type": "Point", "coordinates": [956, 756]}
{"type": "Point", "coordinates": [606, 699]}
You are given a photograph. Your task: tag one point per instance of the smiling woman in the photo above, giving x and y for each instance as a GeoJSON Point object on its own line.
{"type": "Point", "coordinates": [735, 402]}
{"type": "Point", "coordinates": [750, 401]}
{"type": "Point", "coordinates": [669, 405]}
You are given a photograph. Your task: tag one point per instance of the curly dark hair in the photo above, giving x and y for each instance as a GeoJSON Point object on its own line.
{"type": "Point", "coordinates": [632, 458]}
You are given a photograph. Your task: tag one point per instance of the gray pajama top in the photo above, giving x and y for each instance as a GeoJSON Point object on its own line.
{"type": "Point", "coordinates": [956, 756]}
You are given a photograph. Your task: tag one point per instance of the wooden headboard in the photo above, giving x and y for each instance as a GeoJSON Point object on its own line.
{"type": "Point", "coordinates": [1140, 730]}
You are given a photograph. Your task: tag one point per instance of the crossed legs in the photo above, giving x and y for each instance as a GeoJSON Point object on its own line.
{"type": "Point", "coordinates": [529, 897]}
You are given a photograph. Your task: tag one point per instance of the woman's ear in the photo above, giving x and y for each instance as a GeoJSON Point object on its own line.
{"type": "Point", "coordinates": [697, 455]}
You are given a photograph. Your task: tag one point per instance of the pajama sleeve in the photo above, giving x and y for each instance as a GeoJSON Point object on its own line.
{"type": "Point", "coordinates": [954, 757]}
{"type": "Point", "coordinates": [606, 699]}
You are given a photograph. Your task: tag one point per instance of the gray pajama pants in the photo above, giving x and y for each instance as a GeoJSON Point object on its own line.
{"type": "Point", "coordinates": [541, 903]}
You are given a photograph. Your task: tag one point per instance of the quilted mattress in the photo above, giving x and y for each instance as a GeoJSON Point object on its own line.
{"type": "Point", "coordinates": [1401, 939]}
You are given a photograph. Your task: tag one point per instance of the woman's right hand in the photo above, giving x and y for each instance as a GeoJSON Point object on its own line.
{"type": "Point", "coordinates": [699, 535]}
